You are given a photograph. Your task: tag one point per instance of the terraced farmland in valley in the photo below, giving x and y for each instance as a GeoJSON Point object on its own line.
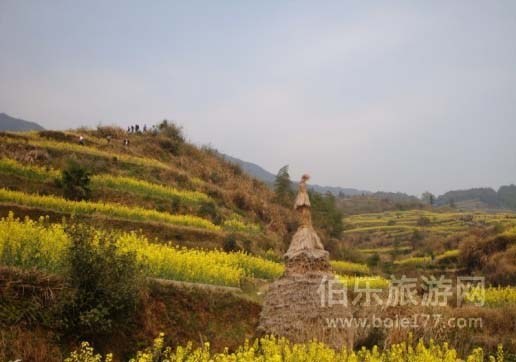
{"type": "Point", "coordinates": [445, 222]}
{"type": "Point", "coordinates": [402, 224]}
{"type": "Point", "coordinates": [417, 238]}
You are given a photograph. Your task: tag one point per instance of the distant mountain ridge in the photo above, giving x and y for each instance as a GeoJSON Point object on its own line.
{"type": "Point", "coordinates": [252, 169]}
{"type": "Point", "coordinates": [8, 123]}
{"type": "Point", "coordinates": [268, 177]}
{"type": "Point", "coordinates": [481, 197]}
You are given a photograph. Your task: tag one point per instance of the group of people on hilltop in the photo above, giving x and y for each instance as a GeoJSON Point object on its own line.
{"type": "Point", "coordinates": [136, 128]}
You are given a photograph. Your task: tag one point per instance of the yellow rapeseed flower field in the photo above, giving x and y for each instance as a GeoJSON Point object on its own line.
{"type": "Point", "coordinates": [374, 281]}
{"type": "Point", "coordinates": [414, 260]}
{"type": "Point", "coordinates": [32, 244]}
{"type": "Point", "coordinates": [235, 223]}
{"type": "Point", "coordinates": [346, 267]}
{"type": "Point", "coordinates": [13, 167]}
{"type": "Point", "coordinates": [119, 183]}
{"type": "Point", "coordinates": [196, 265]}
{"type": "Point", "coordinates": [60, 204]}
{"type": "Point", "coordinates": [271, 349]}
{"type": "Point", "coordinates": [42, 245]}
{"type": "Point", "coordinates": [144, 188]}
{"type": "Point", "coordinates": [494, 297]}
{"type": "Point", "coordinates": [408, 221]}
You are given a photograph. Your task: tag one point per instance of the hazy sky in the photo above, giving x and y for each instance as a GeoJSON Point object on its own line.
{"type": "Point", "coordinates": [381, 95]}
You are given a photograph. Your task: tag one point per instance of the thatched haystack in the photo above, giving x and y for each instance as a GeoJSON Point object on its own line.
{"type": "Point", "coordinates": [294, 307]}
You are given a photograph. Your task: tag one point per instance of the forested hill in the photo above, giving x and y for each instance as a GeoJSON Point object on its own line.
{"type": "Point", "coordinates": [482, 199]}
{"type": "Point", "coordinates": [485, 197]}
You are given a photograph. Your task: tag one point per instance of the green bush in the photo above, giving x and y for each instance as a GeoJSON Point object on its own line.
{"type": "Point", "coordinates": [75, 182]}
{"type": "Point", "coordinates": [208, 210]}
{"type": "Point", "coordinates": [107, 284]}
{"type": "Point", "coordinates": [373, 260]}
{"type": "Point", "coordinates": [171, 131]}
{"type": "Point", "coordinates": [230, 244]}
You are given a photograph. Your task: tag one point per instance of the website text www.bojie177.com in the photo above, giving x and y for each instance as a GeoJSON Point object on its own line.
{"type": "Point", "coordinates": [406, 322]}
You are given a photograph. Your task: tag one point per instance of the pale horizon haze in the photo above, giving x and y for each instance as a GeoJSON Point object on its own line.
{"type": "Point", "coordinates": [376, 95]}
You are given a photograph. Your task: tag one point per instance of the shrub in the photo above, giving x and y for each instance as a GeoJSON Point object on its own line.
{"type": "Point", "coordinates": [242, 201]}
{"type": "Point", "coordinates": [247, 246]}
{"type": "Point", "coordinates": [230, 244]}
{"type": "Point", "coordinates": [373, 260]}
{"type": "Point", "coordinates": [75, 182]}
{"type": "Point", "coordinates": [107, 282]}
{"type": "Point", "coordinates": [209, 210]}
{"type": "Point", "coordinates": [172, 131]}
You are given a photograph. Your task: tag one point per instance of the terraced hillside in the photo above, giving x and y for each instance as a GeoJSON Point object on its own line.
{"type": "Point", "coordinates": [194, 225]}
{"type": "Point", "coordinates": [175, 205]}
{"type": "Point", "coordinates": [159, 183]}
